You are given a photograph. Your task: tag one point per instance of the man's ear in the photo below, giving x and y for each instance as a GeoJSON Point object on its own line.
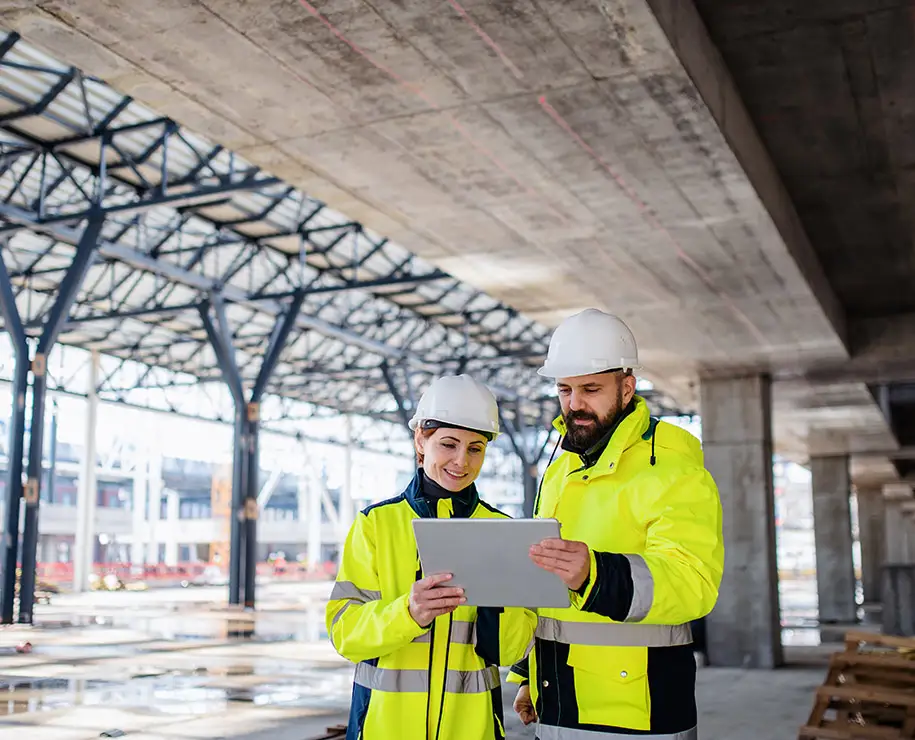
{"type": "Point", "coordinates": [628, 389]}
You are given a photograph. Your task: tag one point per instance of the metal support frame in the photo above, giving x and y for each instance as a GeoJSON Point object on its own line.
{"type": "Point", "coordinates": [529, 452]}
{"type": "Point", "coordinates": [14, 327]}
{"type": "Point", "coordinates": [246, 467]}
{"type": "Point", "coordinates": [85, 252]}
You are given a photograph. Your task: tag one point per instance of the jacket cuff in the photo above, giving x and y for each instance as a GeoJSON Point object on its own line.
{"type": "Point", "coordinates": [580, 597]}
{"type": "Point", "coordinates": [610, 591]}
{"type": "Point", "coordinates": [404, 624]}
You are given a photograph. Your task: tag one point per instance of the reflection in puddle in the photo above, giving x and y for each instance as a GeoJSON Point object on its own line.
{"type": "Point", "coordinates": [158, 661]}
{"type": "Point", "coordinates": [174, 694]}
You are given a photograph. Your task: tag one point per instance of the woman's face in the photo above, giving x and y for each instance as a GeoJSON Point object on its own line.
{"type": "Point", "coordinates": [453, 457]}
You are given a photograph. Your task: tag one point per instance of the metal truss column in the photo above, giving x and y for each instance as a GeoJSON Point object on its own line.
{"type": "Point", "coordinates": [246, 467]}
{"type": "Point", "coordinates": [530, 455]}
{"type": "Point", "coordinates": [69, 288]}
{"type": "Point", "coordinates": [14, 327]}
{"type": "Point", "coordinates": [252, 488]}
{"type": "Point", "coordinates": [84, 548]}
{"type": "Point", "coordinates": [221, 341]}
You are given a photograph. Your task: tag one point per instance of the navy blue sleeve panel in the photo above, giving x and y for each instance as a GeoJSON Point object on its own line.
{"type": "Point", "coordinates": [522, 669]}
{"type": "Point", "coordinates": [487, 640]}
{"type": "Point", "coordinates": [611, 595]}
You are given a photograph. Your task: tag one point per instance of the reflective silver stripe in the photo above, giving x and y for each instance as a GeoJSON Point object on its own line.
{"type": "Point", "coordinates": [472, 682]}
{"type": "Point", "coordinates": [612, 633]}
{"type": "Point", "coordinates": [417, 681]}
{"type": "Point", "coordinates": [349, 590]}
{"type": "Point", "coordinates": [386, 679]}
{"type": "Point", "coordinates": [642, 589]}
{"type": "Point", "coordinates": [462, 633]}
{"type": "Point", "coordinates": [336, 619]}
{"type": "Point", "coordinates": [550, 732]}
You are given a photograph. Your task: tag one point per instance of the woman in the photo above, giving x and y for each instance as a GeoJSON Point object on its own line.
{"type": "Point", "coordinates": [426, 663]}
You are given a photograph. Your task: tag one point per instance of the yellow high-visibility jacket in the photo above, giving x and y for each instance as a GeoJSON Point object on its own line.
{"type": "Point", "coordinates": [411, 683]}
{"type": "Point", "coordinates": [620, 661]}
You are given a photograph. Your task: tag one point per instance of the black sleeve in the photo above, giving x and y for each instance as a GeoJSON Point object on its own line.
{"type": "Point", "coordinates": [487, 627]}
{"type": "Point", "coordinates": [612, 593]}
{"type": "Point", "coordinates": [522, 669]}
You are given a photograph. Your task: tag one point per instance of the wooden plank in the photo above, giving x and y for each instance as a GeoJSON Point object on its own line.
{"type": "Point", "coordinates": [871, 638]}
{"type": "Point", "coordinates": [834, 731]}
{"type": "Point", "coordinates": [882, 660]}
{"type": "Point", "coordinates": [868, 693]}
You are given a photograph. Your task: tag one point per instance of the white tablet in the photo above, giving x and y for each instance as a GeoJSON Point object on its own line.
{"type": "Point", "coordinates": [489, 559]}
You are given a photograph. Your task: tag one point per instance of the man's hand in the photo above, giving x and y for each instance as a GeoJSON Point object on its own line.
{"type": "Point", "coordinates": [524, 707]}
{"type": "Point", "coordinates": [571, 561]}
{"type": "Point", "coordinates": [429, 600]}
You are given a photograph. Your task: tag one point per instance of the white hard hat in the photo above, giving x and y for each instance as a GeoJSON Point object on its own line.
{"type": "Point", "coordinates": [590, 342]}
{"type": "Point", "coordinates": [458, 401]}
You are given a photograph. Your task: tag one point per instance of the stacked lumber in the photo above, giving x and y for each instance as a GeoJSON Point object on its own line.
{"type": "Point", "coordinates": [333, 733]}
{"type": "Point", "coordinates": [869, 691]}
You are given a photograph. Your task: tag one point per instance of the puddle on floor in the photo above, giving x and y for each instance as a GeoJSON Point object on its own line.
{"type": "Point", "coordinates": [172, 694]}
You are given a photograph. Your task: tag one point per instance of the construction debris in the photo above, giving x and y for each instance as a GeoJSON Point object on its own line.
{"type": "Point", "coordinates": [869, 691]}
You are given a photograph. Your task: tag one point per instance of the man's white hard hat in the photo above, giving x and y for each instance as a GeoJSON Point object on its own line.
{"type": "Point", "coordinates": [589, 342]}
{"type": "Point", "coordinates": [458, 401]}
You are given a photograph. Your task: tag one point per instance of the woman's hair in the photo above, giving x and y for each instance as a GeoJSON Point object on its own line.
{"type": "Point", "coordinates": [425, 434]}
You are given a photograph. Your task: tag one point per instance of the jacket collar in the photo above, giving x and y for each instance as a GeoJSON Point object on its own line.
{"type": "Point", "coordinates": [627, 432]}
{"type": "Point", "coordinates": [463, 502]}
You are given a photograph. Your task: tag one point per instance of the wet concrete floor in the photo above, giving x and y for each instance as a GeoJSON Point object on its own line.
{"type": "Point", "coordinates": [173, 664]}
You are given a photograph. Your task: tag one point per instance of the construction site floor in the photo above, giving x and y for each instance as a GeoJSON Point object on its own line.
{"type": "Point", "coordinates": [177, 664]}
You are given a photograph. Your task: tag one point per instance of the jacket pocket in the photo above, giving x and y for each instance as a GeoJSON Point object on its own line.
{"type": "Point", "coordinates": [611, 685]}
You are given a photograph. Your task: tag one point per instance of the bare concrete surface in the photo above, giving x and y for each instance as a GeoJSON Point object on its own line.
{"type": "Point", "coordinates": [566, 155]}
{"type": "Point", "coordinates": [171, 665]}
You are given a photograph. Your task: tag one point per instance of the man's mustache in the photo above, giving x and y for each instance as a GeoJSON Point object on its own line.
{"type": "Point", "coordinates": [581, 416]}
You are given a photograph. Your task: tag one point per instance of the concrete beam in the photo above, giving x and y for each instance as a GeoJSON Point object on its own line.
{"type": "Point", "coordinates": [882, 351]}
{"type": "Point", "coordinates": [703, 62]}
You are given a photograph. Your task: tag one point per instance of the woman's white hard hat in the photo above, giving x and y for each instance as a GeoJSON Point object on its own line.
{"type": "Point", "coordinates": [589, 342]}
{"type": "Point", "coordinates": [458, 401]}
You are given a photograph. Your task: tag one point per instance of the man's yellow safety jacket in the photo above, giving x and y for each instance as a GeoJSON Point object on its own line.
{"type": "Point", "coordinates": [619, 661]}
{"type": "Point", "coordinates": [411, 683]}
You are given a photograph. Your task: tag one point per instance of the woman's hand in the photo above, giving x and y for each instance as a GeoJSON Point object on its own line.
{"type": "Point", "coordinates": [429, 600]}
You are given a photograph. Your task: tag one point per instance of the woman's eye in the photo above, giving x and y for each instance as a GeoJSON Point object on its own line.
{"type": "Point", "coordinates": [449, 446]}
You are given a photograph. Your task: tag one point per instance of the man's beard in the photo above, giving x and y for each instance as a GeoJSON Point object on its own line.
{"type": "Point", "coordinates": [583, 439]}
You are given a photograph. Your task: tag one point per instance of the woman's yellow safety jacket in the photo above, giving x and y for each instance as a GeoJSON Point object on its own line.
{"type": "Point", "coordinates": [619, 661]}
{"type": "Point", "coordinates": [414, 683]}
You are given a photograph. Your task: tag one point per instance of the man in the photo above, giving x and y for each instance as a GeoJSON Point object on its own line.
{"type": "Point", "coordinates": [641, 552]}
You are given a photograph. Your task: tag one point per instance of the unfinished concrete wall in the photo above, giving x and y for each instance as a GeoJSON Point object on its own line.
{"type": "Point", "coordinates": [833, 540]}
{"type": "Point", "coordinates": [743, 629]}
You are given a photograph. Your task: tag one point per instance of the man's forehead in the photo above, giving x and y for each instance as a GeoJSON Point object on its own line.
{"type": "Point", "coordinates": [580, 381]}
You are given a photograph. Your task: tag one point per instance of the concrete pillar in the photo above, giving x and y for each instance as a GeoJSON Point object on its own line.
{"type": "Point", "coordinates": [872, 528]}
{"type": "Point", "coordinates": [896, 538]}
{"type": "Point", "coordinates": [87, 492]}
{"type": "Point", "coordinates": [345, 508]}
{"type": "Point", "coordinates": [833, 540]}
{"type": "Point", "coordinates": [173, 527]}
{"type": "Point", "coordinates": [139, 506]}
{"type": "Point", "coordinates": [743, 629]}
{"type": "Point", "coordinates": [155, 484]}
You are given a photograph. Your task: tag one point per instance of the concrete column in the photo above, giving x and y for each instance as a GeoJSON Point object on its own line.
{"type": "Point", "coordinates": [872, 527]}
{"type": "Point", "coordinates": [345, 511]}
{"type": "Point", "coordinates": [87, 493]}
{"type": "Point", "coordinates": [173, 525]}
{"type": "Point", "coordinates": [743, 629]}
{"type": "Point", "coordinates": [154, 502]}
{"type": "Point", "coordinates": [140, 525]}
{"type": "Point", "coordinates": [896, 539]}
{"type": "Point", "coordinates": [833, 540]}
